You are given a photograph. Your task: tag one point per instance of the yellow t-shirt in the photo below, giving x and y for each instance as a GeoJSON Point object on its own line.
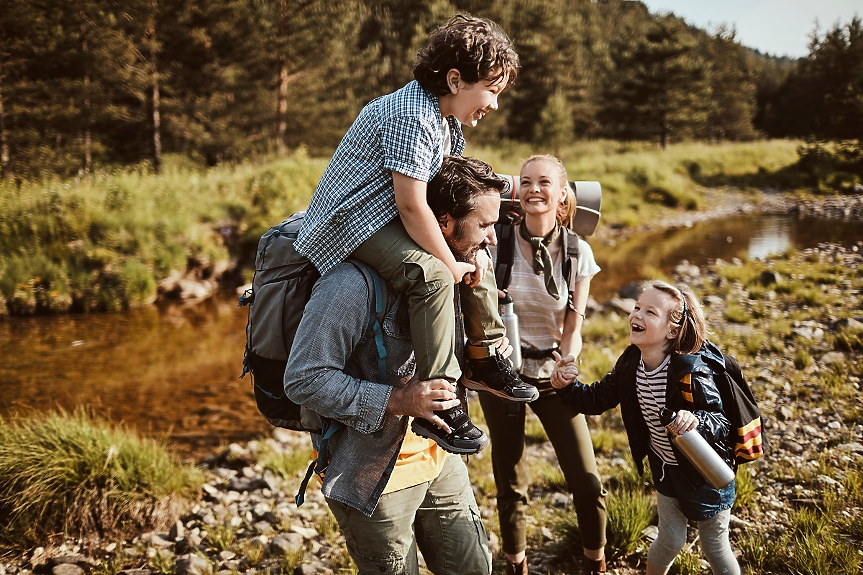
{"type": "Point", "coordinates": [419, 460]}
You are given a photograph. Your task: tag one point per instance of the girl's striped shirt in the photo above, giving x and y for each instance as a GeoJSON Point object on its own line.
{"type": "Point", "coordinates": [651, 397]}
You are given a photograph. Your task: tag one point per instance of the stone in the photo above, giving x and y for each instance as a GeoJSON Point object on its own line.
{"type": "Point", "coordinates": [194, 565]}
{"type": "Point", "coordinates": [631, 290]}
{"type": "Point", "coordinates": [285, 543]}
{"type": "Point", "coordinates": [67, 569]}
{"type": "Point", "coordinates": [768, 278]}
{"type": "Point", "coordinates": [178, 531]}
{"type": "Point", "coordinates": [246, 484]}
{"type": "Point", "coordinates": [686, 269]}
{"type": "Point", "coordinates": [624, 305]}
{"type": "Point", "coordinates": [833, 358]}
{"type": "Point", "coordinates": [854, 447]}
{"type": "Point", "coordinates": [306, 532]}
{"type": "Point", "coordinates": [848, 323]}
{"type": "Point", "coordinates": [792, 446]}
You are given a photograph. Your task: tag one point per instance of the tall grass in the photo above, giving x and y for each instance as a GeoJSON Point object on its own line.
{"type": "Point", "coordinates": [639, 180]}
{"type": "Point", "coordinates": [106, 242]}
{"type": "Point", "coordinates": [73, 474]}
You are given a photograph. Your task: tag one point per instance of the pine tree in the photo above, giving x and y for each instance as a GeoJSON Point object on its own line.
{"type": "Point", "coordinates": [732, 91]}
{"type": "Point", "coordinates": [663, 90]}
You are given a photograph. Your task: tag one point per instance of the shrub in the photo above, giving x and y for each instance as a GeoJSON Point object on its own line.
{"type": "Point", "coordinates": [629, 513]}
{"type": "Point", "coordinates": [76, 475]}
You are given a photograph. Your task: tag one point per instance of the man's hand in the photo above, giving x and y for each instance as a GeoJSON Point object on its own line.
{"type": "Point", "coordinates": [483, 264]}
{"type": "Point", "coordinates": [565, 370]}
{"type": "Point", "coordinates": [422, 399]}
{"type": "Point", "coordinates": [504, 348]}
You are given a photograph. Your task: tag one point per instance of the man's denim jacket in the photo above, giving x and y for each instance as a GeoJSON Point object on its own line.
{"type": "Point", "coordinates": [333, 372]}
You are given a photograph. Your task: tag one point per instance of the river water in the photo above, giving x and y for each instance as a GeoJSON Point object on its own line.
{"type": "Point", "coordinates": [171, 372]}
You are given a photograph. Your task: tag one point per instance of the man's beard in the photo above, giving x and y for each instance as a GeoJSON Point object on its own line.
{"type": "Point", "coordinates": [461, 250]}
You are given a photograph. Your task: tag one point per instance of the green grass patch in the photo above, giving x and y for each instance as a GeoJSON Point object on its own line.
{"type": "Point", "coordinates": [287, 464]}
{"type": "Point", "coordinates": [629, 513]}
{"type": "Point", "coordinates": [77, 475]}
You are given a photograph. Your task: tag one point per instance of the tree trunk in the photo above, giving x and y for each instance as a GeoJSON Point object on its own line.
{"type": "Point", "coordinates": [4, 144]}
{"type": "Point", "coordinates": [157, 118]}
{"type": "Point", "coordinates": [281, 136]}
{"type": "Point", "coordinates": [88, 141]}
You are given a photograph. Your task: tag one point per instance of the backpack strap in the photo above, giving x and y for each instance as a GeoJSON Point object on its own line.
{"type": "Point", "coordinates": [570, 264]}
{"type": "Point", "coordinates": [504, 229]}
{"type": "Point", "coordinates": [377, 300]}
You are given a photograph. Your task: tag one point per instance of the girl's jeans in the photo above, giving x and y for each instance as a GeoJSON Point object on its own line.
{"type": "Point", "coordinates": [439, 516]}
{"type": "Point", "coordinates": [712, 532]}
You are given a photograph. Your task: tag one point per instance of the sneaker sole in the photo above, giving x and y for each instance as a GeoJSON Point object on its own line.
{"type": "Point", "coordinates": [423, 432]}
{"type": "Point", "coordinates": [479, 386]}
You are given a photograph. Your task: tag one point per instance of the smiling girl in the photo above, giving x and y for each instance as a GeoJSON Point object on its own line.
{"type": "Point", "coordinates": [669, 364]}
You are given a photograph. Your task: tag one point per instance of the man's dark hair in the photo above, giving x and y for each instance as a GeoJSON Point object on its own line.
{"type": "Point", "coordinates": [457, 185]}
{"type": "Point", "coordinates": [476, 47]}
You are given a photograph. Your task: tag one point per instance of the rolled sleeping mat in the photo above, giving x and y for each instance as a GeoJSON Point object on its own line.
{"type": "Point", "coordinates": [588, 196]}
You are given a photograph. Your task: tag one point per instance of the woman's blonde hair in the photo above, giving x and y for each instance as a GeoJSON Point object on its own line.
{"type": "Point", "coordinates": [566, 208]}
{"type": "Point", "coordinates": [686, 314]}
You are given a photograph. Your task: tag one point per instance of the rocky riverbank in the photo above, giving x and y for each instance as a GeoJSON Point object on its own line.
{"type": "Point", "coordinates": [246, 521]}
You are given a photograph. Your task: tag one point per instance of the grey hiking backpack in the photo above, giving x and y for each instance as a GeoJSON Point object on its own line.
{"type": "Point", "coordinates": [281, 287]}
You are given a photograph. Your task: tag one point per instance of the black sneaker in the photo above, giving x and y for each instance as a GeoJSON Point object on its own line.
{"type": "Point", "coordinates": [495, 375]}
{"type": "Point", "coordinates": [465, 438]}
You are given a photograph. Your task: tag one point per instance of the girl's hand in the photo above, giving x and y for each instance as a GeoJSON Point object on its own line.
{"type": "Point", "coordinates": [685, 421]}
{"type": "Point", "coordinates": [460, 270]}
{"type": "Point", "coordinates": [565, 370]}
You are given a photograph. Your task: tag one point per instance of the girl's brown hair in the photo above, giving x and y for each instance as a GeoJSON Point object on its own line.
{"type": "Point", "coordinates": [565, 209]}
{"type": "Point", "coordinates": [686, 314]}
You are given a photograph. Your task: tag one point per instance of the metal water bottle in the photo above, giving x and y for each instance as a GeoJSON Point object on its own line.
{"type": "Point", "coordinates": [510, 321]}
{"type": "Point", "coordinates": [698, 452]}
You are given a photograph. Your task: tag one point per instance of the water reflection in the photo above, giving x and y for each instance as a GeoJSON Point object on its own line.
{"type": "Point", "coordinates": [647, 255]}
{"type": "Point", "coordinates": [773, 237]}
{"type": "Point", "coordinates": [172, 372]}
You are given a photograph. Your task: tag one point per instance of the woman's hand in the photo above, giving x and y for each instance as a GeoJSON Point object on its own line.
{"type": "Point", "coordinates": [685, 421]}
{"type": "Point", "coordinates": [565, 370]}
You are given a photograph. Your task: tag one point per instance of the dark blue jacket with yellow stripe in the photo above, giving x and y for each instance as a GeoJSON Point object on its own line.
{"type": "Point", "coordinates": [690, 386]}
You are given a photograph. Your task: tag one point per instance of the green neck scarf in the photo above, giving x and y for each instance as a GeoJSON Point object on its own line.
{"type": "Point", "coordinates": [542, 263]}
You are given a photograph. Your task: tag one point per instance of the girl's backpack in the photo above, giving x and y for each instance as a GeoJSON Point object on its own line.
{"type": "Point", "coordinates": [738, 401]}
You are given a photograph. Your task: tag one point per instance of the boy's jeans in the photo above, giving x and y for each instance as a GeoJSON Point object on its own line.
{"type": "Point", "coordinates": [441, 517]}
{"type": "Point", "coordinates": [428, 284]}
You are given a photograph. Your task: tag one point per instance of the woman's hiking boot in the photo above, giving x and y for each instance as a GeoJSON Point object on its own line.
{"type": "Point", "coordinates": [593, 567]}
{"type": "Point", "coordinates": [516, 568]}
{"type": "Point", "coordinates": [465, 437]}
{"type": "Point", "coordinates": [495, 375]}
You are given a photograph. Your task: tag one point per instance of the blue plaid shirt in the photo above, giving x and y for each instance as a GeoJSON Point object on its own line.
{"type": "Point", "coordinates": [401, 132]}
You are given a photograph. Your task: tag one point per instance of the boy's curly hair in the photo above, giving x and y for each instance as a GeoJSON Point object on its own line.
{"type": "Point", "coordinates": [478, 48]}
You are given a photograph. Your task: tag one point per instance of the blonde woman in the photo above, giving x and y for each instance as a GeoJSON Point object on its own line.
{"type": "Point", "coordinates": [550, 318]}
